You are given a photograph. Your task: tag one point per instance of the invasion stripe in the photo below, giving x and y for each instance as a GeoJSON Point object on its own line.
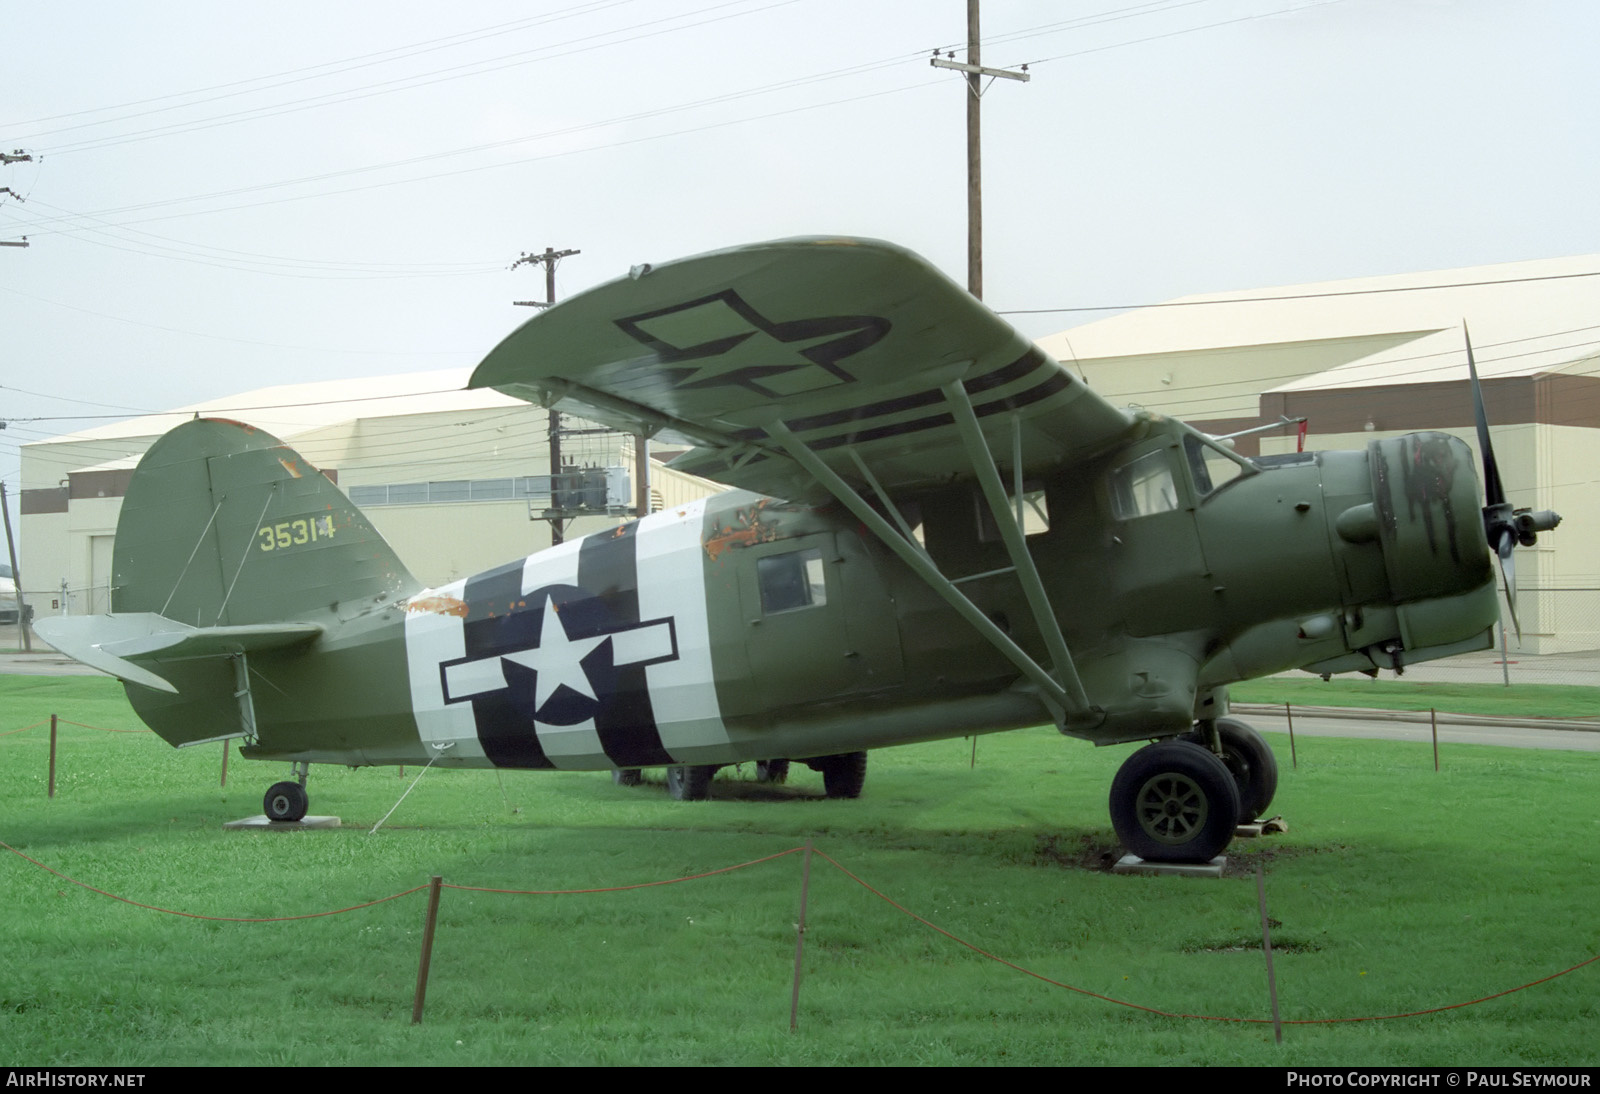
{"type": "Point", "coordinates": [1016, 370]}
{"type": "Point", "coordinates": [507, 733]}
{"type": "Point", "coordinates": [625, 720]}
{"type": "Point", "coordinates": [1052, 386]}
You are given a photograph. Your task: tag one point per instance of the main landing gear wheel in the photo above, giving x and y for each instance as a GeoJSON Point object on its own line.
{"type": "Point", "coordinates": [285, 802]}
{"type": "Point", "coordinates": [691, 783]}
{"type": "Point", "coordinates": [1249, 759]}
{"type": "Point", "coordinates": [1174, 801]}
{"type": "Point", "coordinates": [843, 775]}
{"type": "Point", "coordinates": [626, 776]}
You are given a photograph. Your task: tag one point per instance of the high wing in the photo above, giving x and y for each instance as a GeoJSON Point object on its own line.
{"type": "Point", "coordinates": [858, 350]}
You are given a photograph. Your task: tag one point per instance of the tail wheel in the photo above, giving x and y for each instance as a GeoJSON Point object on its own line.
{"type": "Point", "coordinates": [844, 775]}
{"type": "Point", "coordinates": [285, 802]}
{"type": "Point", "coordinates": [691, 783]}
{"type": "Point", "coordinates": [1174, 801]}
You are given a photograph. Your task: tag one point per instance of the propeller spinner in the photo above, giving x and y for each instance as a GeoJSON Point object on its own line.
{"type": "Point", "coordinates": [1504, 526]}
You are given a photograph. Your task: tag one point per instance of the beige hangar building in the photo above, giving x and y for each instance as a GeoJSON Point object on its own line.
{"type": "Point", "coordinates": [453, 478]}
{"type": "Point", "coordinates": [1378, 357]}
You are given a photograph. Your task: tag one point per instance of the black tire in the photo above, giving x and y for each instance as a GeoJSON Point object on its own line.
{"type": "Point", "coordinates": [691, 783]}
{"type": "Point", "coordinates": [844, 775]}
{"type": "Point", "coordinates": [627, 776]}
{"type": "Point", "coordinates": [1174, 801]}
{"type": "Point", "coordinates": [772, 771]}
{"type": "Point", "coordinates": [285, 802]}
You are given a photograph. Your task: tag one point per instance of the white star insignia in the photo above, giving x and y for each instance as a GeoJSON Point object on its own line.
{"type": "Point", "coordinates": [558, 658]}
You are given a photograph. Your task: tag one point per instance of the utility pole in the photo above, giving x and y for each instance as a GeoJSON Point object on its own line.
{"type": "Point", "coordinates": [16, 575]}
{"type": "Point", "coordinates": [548, 260]}
{"type": "Point", "coordinates": [975, 89]}
{"type": "Point", "coordinates": [6, 160]}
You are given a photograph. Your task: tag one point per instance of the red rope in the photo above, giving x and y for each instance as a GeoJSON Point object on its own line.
{"type": "Point", "coordinates": [25, 729]}
{"type": "Point", "coordinates": [102, 729]}
{"type": "Point", "coordinates": [625, 888]}
{"type": "Point", "coordinates": [1176, 1014]}
{"type": "Point", "coordinates": [196, 915]}
{"type": "Point", "coordinates": [853, 877]}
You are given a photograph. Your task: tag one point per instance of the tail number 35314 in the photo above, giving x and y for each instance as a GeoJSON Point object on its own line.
{"type": "Point", "coordinates": [294, 533]}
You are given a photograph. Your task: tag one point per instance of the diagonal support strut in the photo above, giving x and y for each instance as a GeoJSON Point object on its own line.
{"type": "Point", "coordinates": [1055, 698]}
{"type": "Point", "coordinates": [1044, 617]}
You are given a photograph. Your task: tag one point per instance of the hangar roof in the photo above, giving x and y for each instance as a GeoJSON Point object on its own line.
{"type": "Point", "coordinates": [1525, 318]}
{"type": "Point", "coordinates": [287, 410]}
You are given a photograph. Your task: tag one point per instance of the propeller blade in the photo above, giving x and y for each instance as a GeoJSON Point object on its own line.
{"type": "Point", "coordinates": [1506, 549]}
{"type": "Point", "coordinates": [1493, 493]}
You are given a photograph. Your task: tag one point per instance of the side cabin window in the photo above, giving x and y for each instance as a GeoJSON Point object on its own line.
{"type": "Point", "coordinates": [1143, 486]}
{"type": "Point", "coordinates": [791, 581]}
{"type": "Point", "coordinates": [1211, 468]}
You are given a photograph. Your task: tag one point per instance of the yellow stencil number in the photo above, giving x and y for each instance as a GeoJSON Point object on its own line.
{"type": "Point", "coordinates": [294, 533]}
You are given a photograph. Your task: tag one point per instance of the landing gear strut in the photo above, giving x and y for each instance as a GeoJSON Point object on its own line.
{"type": "Point", "coordinates": [1249, 760]}
{"type": "Point", "coordinates": [691, 782]}
{"type": "Point", "coordinates": [842, 775]}
{"type": "Point", "coordinates": [287, 802]}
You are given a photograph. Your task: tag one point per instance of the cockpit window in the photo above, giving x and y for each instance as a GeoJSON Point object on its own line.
{"type": "Point", "coordinates": [1211, 468]}
{"type": "Point", "coordinates": [1143, 487]}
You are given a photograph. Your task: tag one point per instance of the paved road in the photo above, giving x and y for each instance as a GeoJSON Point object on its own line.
{"type": "Point", "coordinates": [1485, 668]}
{"type": "Point", "coordinates": [1388, 727]}
{"type": "Point", "coordinates": [43, 663]}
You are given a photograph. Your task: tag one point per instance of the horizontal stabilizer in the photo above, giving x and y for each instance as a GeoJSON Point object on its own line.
{"type": "Point", "coordinates": [111, 643]}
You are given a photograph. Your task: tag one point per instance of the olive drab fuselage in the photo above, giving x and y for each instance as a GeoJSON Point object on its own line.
{"type": "Point", "coordinates": [740, 627]}
{"type": "Point", "coordinates": [936, 530]}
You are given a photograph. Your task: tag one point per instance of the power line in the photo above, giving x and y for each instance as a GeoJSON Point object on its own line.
{"type": "Point", "coordinates": [1187, 30]}
{"type": "Point", "coordinates": [361, 61]}
{"type": "Point", "coordinates": [52, 225]}
{"type": "Point", "coordinates": [49, 225]}
{"type": "Point", "coordinates": [236, 341]}
{"type": "Point", "coordinates": [407, 83]}
{"type": "Point", "coordinates": [202, 249]}
{"type": "Point", "coordinates": [1297, 296]}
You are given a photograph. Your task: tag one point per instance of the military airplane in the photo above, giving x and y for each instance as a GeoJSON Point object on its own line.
{"type": "Point", "coordinates": [935, 530]}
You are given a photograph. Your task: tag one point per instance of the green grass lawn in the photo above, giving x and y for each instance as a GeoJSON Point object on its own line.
{"type": "Point", "coordinates": [1518, 700]}
{"type": "Point", "coordinates": [1396, 889]}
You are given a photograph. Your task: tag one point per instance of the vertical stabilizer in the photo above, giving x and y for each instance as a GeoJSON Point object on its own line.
{"type": "Point", "coordinates": [225, 525]}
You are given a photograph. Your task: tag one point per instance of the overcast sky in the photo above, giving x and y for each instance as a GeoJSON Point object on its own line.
{"type": "Point", "coordinates": [226, 196]}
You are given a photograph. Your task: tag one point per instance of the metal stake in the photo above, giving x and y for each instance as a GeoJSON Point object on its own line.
{"type": "Point", "coordinates": [800, 941]}
{"type": "Point", "coordinates": [431, 922]}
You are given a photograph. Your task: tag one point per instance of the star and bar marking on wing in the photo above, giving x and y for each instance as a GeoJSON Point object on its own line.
{"type": "Point", "coordinates": [734, 345]}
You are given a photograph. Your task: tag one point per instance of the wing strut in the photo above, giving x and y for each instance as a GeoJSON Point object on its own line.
{"type": "Point", "coordinates": [1055, 698]}
{"type": "Point", "coordinates": [994, 491]}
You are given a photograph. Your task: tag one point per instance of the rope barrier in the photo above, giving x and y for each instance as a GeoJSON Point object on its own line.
{"type": "Point", "coordinates": [197, 915]}
{"type": "Point", "coordinates": [24, 729]}
{"type": "Point", "coordinates": [863, 883]}
{"type": "Point", "coordinates": [102, 729]}
{"type": "Point", "coordinates": [625, 888]}
{"type": "Point", "coordinates": [69, 722]}
{"type": "Point", "coordinates": [1179, 1014]}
